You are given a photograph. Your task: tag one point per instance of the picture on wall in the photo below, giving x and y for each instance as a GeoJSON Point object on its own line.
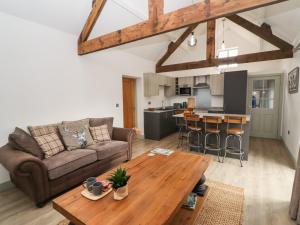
{"type": "Point", "coordinates": [293, 81]}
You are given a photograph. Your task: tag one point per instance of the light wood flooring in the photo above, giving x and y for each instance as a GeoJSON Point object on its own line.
{"type": "Point", "coordinates": [267, 178]}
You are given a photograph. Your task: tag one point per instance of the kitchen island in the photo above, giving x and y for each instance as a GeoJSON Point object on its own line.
{"type": "Point", "coordinates": [223, 126]}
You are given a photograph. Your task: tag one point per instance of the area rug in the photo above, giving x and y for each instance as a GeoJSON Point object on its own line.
{"type": "Point", "coordinates": [224, 206]}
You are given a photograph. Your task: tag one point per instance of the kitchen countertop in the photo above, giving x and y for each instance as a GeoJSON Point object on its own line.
{"type": "Point", "coordinates": [202, 114]}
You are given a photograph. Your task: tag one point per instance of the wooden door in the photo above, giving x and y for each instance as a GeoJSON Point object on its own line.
{"type": "Point", "coordinates": [264, 105]}
{"type": "Point", "coordinates": [129, 101]}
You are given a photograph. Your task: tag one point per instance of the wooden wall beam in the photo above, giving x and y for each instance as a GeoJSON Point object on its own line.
{"type": "Point", "coordinates": [247, 58]}
{"type": "Point", "coordinates": [263, 32]}
{"type": "Point", "coordinates": [174, 45]}
{"type": "Point", "coordinates": [196, 13]}
{"type": "Point", "coordinates": [91, 21]}
{"type": "Point", "coordinates": [211, 40]}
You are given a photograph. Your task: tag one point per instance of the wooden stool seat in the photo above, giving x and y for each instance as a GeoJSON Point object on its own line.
{"type": "Point", "coordinates": [213, 130]}
{"type": "Point", "coordinates": [235, 131]}
{"type": "Point", "coordinates": [195, 128]}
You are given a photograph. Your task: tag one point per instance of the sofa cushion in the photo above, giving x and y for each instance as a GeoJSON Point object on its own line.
{"type": "Point", "coordinates": [107, 149]}
{"type": "Point", "coordinates": [100, 134]}
{"type": "Point", "coordinates": [97, 122]}
{"type": "Point", "coordinates": [37, 131]}
{"type": "Point", "coordinates": [50, 144]}
{"type": "Point", "coordinates": [75, 135]}
{"type": "Point", "coordinates": [22, 141]}
{"type": "Point", "coordinates": [69, 161]}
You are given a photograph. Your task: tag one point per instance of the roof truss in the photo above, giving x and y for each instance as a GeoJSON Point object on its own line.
{"type": "Point", "coordinates": [159, 22]}
{"type": "Point", "coordinates": [264, 32]}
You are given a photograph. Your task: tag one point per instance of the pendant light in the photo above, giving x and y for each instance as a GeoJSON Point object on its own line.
{"type": "Point", "coordinates": [223, 46]}
{"type": "Point", "coordinates": [192, 42]}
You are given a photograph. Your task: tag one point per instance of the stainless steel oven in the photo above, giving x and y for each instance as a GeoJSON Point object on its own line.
{"type": "Point", "coordinates": [185, 91]}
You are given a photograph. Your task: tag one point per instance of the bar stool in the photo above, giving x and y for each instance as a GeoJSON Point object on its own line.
{"type": "Point", "coordinates": [232, 133]}
{"type": "Point", "coordinates": [180, 123]}
{"type": "Point", "coordinates": [193, 127]}
{"type": "Point", "coordinates": [212, 129]}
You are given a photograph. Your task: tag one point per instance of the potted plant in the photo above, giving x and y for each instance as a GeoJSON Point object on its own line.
{"type": "Point", "coordinates": [119, 180]}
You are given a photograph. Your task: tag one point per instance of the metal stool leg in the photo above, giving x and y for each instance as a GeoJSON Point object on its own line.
{"type": "Point", "coordinates": [180, 137]}
{"type": "Point", "coordinates": [241, 151]}
{"type": "Point", "coordinates": [219, 146]}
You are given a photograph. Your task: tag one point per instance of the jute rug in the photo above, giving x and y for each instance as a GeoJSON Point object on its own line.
{"type": "Point", "coordinates": [224, 206]}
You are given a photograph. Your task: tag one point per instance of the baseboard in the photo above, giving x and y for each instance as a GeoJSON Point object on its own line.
{"type": "Point", "coordinates": [290, 154]}
{"type": "Point", "coordinates": [5, 186]}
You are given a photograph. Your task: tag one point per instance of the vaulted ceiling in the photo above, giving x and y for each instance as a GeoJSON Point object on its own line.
{"type": "Point", "coordinates": [70, 15]}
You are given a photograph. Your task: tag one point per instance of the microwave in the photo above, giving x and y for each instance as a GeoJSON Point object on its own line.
{"type": "Point", "coordinates": [185, 91]}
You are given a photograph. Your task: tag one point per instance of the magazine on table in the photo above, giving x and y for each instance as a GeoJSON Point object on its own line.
{"type": "Point", "coordinates": [162, 151]}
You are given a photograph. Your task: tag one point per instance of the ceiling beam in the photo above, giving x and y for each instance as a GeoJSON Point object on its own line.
{"type": "Point", "coordinates": [211, 40]}
{"type": "Point", "coordinates": [91, 21]}
{"type": "Point", "coordinates": [156, 9]}
{"type": "Point", "coordinates": [264, 32]}
{"type": "Point", "coordinates": [247, 58]}
{"type": "Point", "coordinates": [196, 13]}
{"type": "Point", "coordinates": [174, 45]}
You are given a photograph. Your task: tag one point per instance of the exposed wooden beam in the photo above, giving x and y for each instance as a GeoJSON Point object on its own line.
{"type": "Point", "coordinates": [156, 9]}
{"type": "Point", "coordinates": [264, 32]}
{"type": "Point", "coordinates": [196, 13]}
{"type": "Point", "coordinates": [211, 40]}
{"type": "Point", "coordinates": [247, 58]}
{"type": "Point", "coordinates": [174, 45]}
{"type": "Point", "coordinates": [91, 21]}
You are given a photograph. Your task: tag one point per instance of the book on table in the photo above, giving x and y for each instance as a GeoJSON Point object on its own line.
{"type": "Point", "coordinates": [190, 202]}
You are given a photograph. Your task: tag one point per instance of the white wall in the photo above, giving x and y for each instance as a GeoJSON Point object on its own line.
{"type": "Point", "coordinates": [44, 81]}
{"type": "Point", "coordinates": [291, 109]}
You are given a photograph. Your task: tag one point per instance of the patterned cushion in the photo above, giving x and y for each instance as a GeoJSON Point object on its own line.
{"type": "Point", "coordinates": [37, 131]}
{"type": "Point", "coordinates": [75, 135]}
{"type": "Point", "coordinates": [96, 122]}
{"type": "Point", "coordinates": [100, 134]}
{"type": "Point", "coordinates": [50, 144]}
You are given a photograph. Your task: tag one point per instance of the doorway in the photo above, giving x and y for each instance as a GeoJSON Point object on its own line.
{"type": "Point", "coordinates": [129, 102]}
{"type": "Point", "coordinates": [264, 103]}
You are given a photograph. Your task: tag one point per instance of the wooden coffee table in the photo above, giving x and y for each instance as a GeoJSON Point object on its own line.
{"type": "Point", "coordinates": [157, 188]}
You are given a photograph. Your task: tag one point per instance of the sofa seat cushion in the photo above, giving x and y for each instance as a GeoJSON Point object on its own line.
{"type": "Point", "coordinates": [69, 161]}
{"type": "Point", "coordinates": [110, 148]}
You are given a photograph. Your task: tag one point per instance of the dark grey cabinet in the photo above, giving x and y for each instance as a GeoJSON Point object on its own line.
{"type": "Point", "coordinates": [159, 124]}
{"type": "Point", "coordinates": [235, 92]}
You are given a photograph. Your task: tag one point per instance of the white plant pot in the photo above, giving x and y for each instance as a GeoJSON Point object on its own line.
{"type": "Point", "coordinates": [121, 193]}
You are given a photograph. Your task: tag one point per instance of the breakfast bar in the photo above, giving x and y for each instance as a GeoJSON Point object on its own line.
{"type": "Point", "coordinates": [223, 127]}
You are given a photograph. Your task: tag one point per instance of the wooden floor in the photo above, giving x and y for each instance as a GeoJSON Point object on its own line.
{"type": "Point", "coordinates": [267, 179]}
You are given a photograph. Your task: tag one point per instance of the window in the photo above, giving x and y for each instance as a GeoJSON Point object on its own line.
{"type": "Point", "coordinates": [226, 53]}
{"type": "Point", "coordinates": [263, 94]}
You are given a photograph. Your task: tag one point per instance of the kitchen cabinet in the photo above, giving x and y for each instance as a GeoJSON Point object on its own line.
{"type": "Point", "coordinates": [158, 125]}
{"type": "Point", "coordinates": [217, 85]}
{"type": "Point", "coordinates": [152, 81]}
{"type": "Point", "coordinates": [186, 81]}
{"type": "Point", "coordinates": [151, 84]}
{"type": "Point", "coordinates": [170, 89]}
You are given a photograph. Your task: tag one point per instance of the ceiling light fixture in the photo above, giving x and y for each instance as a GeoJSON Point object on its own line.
{"type": "Point", "coordinates": [192, 42]}
{"type": "Point", "coordinates": [223, 46]}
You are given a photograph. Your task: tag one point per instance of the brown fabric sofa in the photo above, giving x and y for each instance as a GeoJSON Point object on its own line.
{"type": "Point", "coordinates": [42, 179]}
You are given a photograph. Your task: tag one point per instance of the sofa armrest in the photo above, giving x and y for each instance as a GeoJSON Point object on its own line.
{"type": "Point", "coordinates": [26, 167]}
{"type": "Point", "coordinates": [124, 134]}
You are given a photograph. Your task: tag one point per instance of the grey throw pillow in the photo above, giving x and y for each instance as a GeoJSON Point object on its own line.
{"type": "Point", "coordinates": [75, 135]}
{"type": "Point", "coordinates": [22, 141]}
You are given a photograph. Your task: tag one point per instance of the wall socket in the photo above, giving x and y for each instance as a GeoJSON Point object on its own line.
{"type": "Point", "coordinates": [289, 132]}
{"type": "Point", "coordinates": [117, 105]}
{"type": "Point", "coordinates": [149, 103]}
